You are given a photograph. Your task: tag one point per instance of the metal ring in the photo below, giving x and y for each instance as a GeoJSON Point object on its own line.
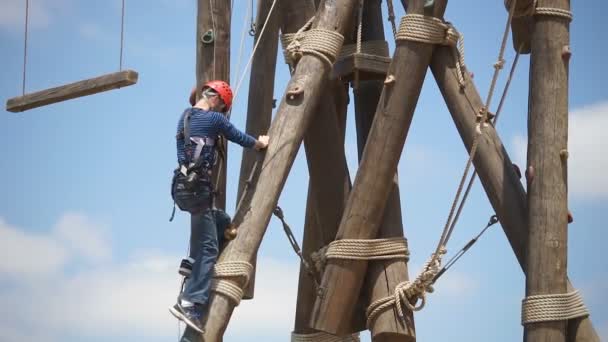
{"type": "Point", "coordinates": [208, 37]}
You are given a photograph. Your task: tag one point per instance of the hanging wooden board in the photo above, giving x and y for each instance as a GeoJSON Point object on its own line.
{"type": "Point", "coordinates": [371, 67]}
{"type": "Point", "coordinates": [71, 91]}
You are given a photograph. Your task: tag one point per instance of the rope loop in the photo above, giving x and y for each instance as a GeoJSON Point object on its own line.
{"type": "Point", "coordinates": [553, 307]}
{"type": "Point", "coordinates": [409, 293]}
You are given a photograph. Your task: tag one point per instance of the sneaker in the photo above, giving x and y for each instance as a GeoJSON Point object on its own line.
{"type": "Point", "coordinates": [190, 315]}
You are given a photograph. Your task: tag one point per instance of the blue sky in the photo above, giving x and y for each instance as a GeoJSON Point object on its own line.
{"type": "Point", "coordinates": [86, 249]}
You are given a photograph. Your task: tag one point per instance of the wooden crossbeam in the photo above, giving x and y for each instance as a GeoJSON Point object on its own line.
{"type": "Point", "coordinates": [72, 90]}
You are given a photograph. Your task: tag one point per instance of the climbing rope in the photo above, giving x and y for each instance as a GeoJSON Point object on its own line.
{"type": "Point", "coordinates": [553, 307]}
{"type": "Point", "coordinates": [359, 38]}
{"type": "Point", "coordinates": [122, 33]}
{"type": "Point", "coordinates": [431, 30]}
{"type": "Point", "coordinates": [27, 16]}
{"type": "Point", "coordinates": [325, 44]}
{"type": "Point", "coordinates": [230, 277]}
{"type": "Point", "coordinates": [323, 337]}
{"type": "Point", "coordinates": [243, 33]}
{"type": "Point", "coordinates": [238, 86]}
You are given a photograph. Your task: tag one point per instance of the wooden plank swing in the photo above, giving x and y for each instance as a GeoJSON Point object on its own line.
{"type": "Point", "coordinates": [71, 91]}
{"type": "Point", "coordinates": [90, 86]}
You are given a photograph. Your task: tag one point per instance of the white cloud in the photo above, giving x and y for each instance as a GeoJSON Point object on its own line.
{"type": "Point", "coordinates": [586, 145]}
{"type": "Point", "coordinates": [83, 236]}
{"type": "Point", "coordinates": [110, 299]}
{"type": "Point", "coordinates": [29, 254]}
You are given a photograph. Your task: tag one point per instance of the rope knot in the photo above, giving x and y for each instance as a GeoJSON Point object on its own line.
{"type": "Point", "coordinates": [230, 277]}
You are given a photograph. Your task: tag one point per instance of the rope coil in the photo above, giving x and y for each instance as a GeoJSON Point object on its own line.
{"type": "Point", "coordinates": [532, 9]}
{"type": "Point", "coordinates": [427, 29]}
{"type": "Point", "coordinates": [323, 337]}
{"type": "Point", "coordinates": [325, 44]}
{"type": "Point", "coordinates": [231, 288]}
{"type": "Point", "coordinates": [409, 292]}
{"type": "Point", "coordinates": [553, 307]}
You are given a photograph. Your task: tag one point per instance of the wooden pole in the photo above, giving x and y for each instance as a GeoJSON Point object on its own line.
{"type": "Point", "coordinates": [259, 106]}
{"type": "Point", "coordinates": [495, 169]}
{"type": "Point", "coordinates": [213, 63]}
{"type": "Point", "coordinates": [343, 279]}
{"type": "Point", "coordinates": [382, 276]}
{"type": "Point", "coordinates": [286, 132]}
{"type": "Point", "coordinates": [547, 169]}
{"type": "Point", "coordinates": [329, 182]}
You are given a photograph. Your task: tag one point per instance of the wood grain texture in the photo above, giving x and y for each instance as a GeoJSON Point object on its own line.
{"type": "Point", "coordinates": [382, 276]}
{"type": "Point", "coordinates": [547, 192]}
{"type": "Point", "coordinates": [343, 279]}
{"type": "Point", "coordinates": [213, 63]}
{"type": "Point", "coordinates": [287, 131]}
{"type": "Point", "coordinates": [494, 167]}
{"type": "Point", "coordinates": [71, 91]}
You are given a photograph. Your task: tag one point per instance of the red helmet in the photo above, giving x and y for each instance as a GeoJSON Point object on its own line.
{"type": "Point", "coordinates": [223, 89]}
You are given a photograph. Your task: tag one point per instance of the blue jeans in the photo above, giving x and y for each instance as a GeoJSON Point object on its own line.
{"type": "Point", "coordinates": [206, 237]}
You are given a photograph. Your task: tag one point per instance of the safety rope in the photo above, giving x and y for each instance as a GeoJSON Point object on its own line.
{"type": "Point", "coordinates": [122, 33]}
{"type": "Point", "coordinates": [27, 17]}
{"type": "Point", "coordinates": [230, 277]}
{"type": "Point", "coordinates": [431, 30]}
{"type": "Point", "coordinates": [409, 292]}
{"type": "Point", "coordinates": [553, 307]}
{"type": "Point", "coordinates": [242, 42]}
{"type": "Point", "coordinates": [325, 44]}
{"type": "Point", "coordinates": [323, 337]}
{"type": "Point", "coordinates": [238, 86]}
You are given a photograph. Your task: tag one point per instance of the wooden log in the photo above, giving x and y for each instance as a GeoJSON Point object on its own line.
{"type": "Point", "coordinates": [259, 106]}
{"type": "Point", "coordinates": [521, 25]}
{"type": "Point", "coordinates": [547, 165]}
{"type": "Point", "coordinates": [71, 91]}
{"type": "Point", "coordinates": [382, 276]}
{"type": "Point", "coordinates": [495, 169]}
{"type": "Point", "coordinates": [213, 63]}
{"type": "Point", "coordinates": [286, 132]}
{"type": "Point", "coordinates": [329, 182]}
{"type": "Point", "coordinates": [343, 279]}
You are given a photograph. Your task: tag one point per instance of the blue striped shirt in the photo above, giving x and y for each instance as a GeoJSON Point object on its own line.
{"type": "Point", "coordinates": [209, 124]}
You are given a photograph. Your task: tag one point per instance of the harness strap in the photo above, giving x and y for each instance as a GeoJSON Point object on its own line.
{"type": "Point", "coordinates": [200, 143]}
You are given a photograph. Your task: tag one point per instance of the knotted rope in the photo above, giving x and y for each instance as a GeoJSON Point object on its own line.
{"type": "Point", "coordinates": [361, 249]}
{"type": "Point", "coordinates": [552, 307]}
{"type": "Point", "coordinates": [323, 337]}
{"type": "Point", "coordinates": [431, 30]}
{"type": "Point", "coordinates": [409, 292]}
{"type": "Point", "coordinates": [322, 43]}
{"type": "Point", "coordinates": [230, 278]}
{"type": "Point", "coordinates": [532, 9]}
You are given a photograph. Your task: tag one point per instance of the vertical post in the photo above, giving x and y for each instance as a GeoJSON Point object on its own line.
{"type": "Point", "coordinates": [382, 276]}
{"type": "Point", "coordinates": [259, 106]}
{"type": "Point", "coordinates": [213, 63]}
{"type": "Point", "coordinates": [287, 131]}
{"type": "Point", "coordinates": [495, 169]}
{"type": "Point", "coordinates": [547, 164]}
{"type": "Point", "coordinates": [364, 210]}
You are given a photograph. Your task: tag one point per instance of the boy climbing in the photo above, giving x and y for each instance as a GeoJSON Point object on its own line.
{"type": "Point", "coordinates": [198, 130]}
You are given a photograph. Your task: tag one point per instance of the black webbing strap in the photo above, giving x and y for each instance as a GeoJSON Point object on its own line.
{"type": "Point", "coordinates": [186, 130]}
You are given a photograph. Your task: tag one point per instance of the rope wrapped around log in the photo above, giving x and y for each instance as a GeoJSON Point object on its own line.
{"type": "Point", "coordinates": [361, 249]}
{"type": "Point", "coordinates": [409, 292]}
{"type": "Point", "coordinates": [532, 9]}
{"type": "Point", "coordinates": [323, 337]}
{"type": "Point", "coordinates": [325, 44]}
{"type": "Point", "coordinates": [552, 307]}
{"type": "Point", "coordinates": [230, 278]}
{"type": "Point", "coordinates": [426, 29]}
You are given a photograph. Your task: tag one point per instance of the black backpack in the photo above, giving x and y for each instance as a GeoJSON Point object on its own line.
{"type": "Point", "coordinates": [191, 188]}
